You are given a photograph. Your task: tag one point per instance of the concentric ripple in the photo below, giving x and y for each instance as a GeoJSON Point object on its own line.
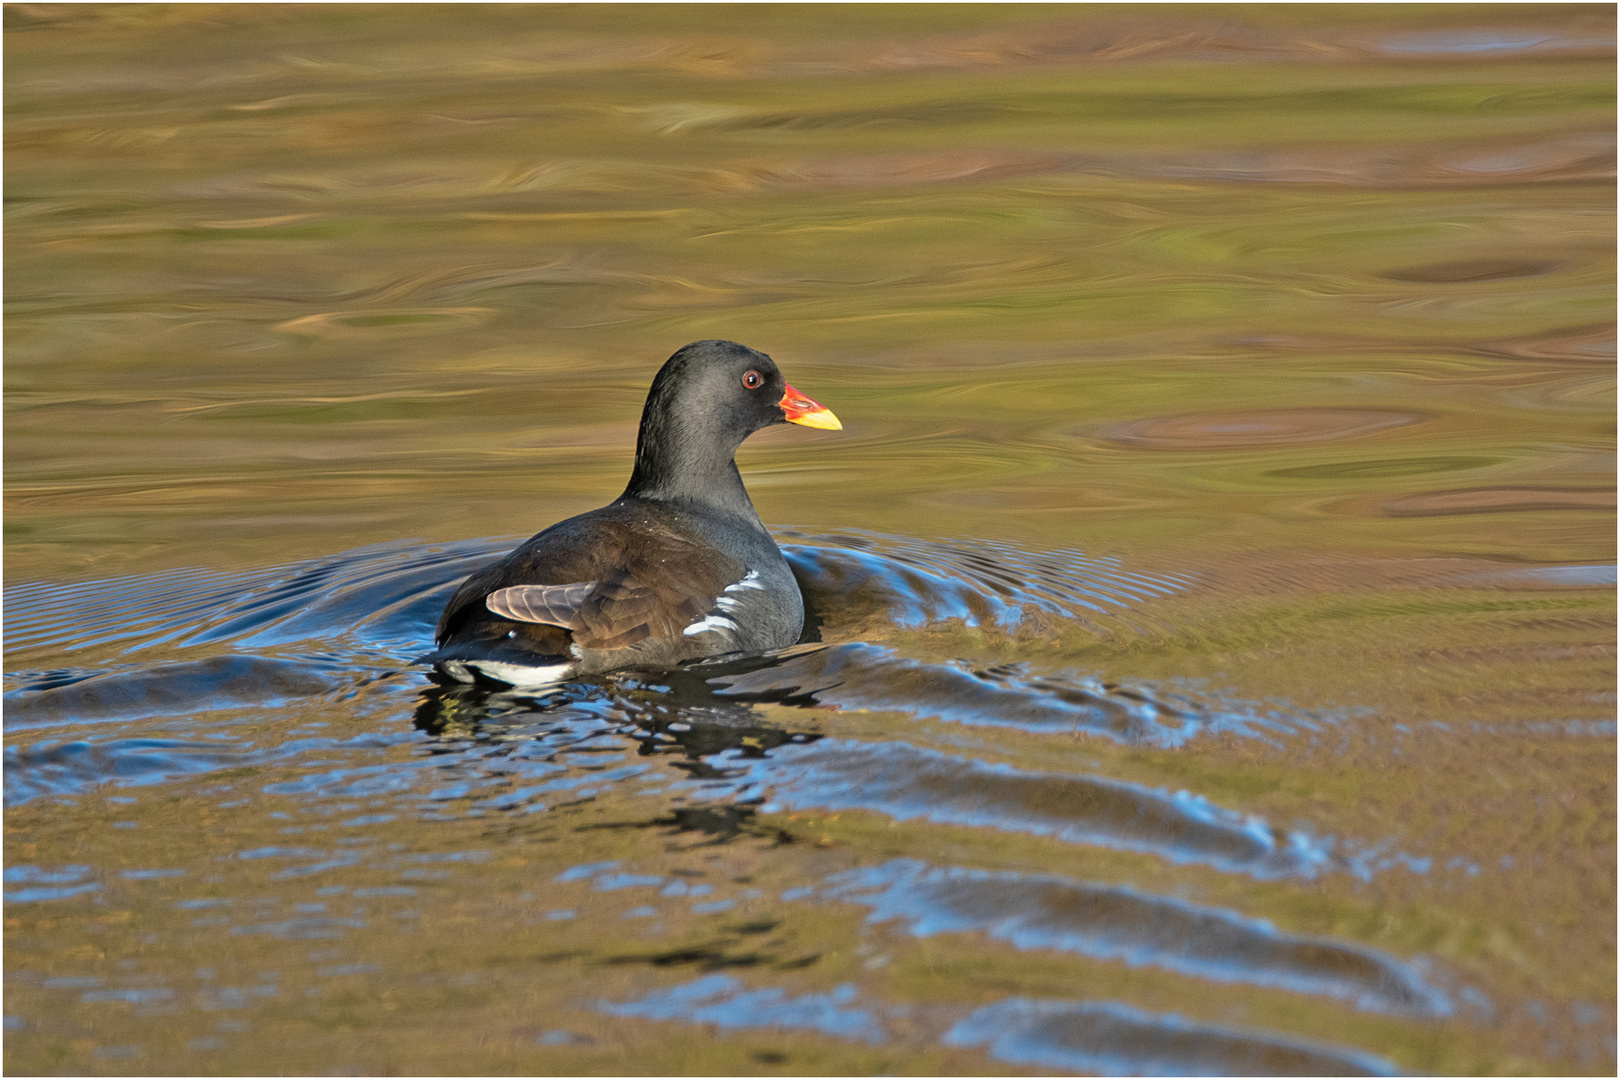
{"type": "Point", "coordinates": [1115, 1039]}
{"type": "Point", "coordinates": [916, 582]}
{"type": "Point", "coordinates": [1040, 912]}
{"type": "Point", "coordinates": [858, 675]}
{"type": "Point", "coordinates": [190, 674]}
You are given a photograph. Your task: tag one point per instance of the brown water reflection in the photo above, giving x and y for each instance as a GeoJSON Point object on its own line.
{"type": "Point", "coordinates": [1213, 582]}
{"type": "Point", "coordinates": [1253, 430]}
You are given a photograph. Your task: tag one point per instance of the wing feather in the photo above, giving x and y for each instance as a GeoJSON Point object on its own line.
{"type": "Point", "coordinates": [555, 605]}
{"type": "Point", "coordinates": [645, 579]}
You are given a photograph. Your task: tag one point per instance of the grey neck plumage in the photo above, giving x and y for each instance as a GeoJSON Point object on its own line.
{"type": "Point", "coordinates": [684, 463]}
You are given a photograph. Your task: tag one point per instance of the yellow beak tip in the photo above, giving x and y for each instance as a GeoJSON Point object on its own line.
{"type": "Point", "coordinates": [821, 418]}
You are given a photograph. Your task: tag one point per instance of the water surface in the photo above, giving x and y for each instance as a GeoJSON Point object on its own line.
{"type": "Point", "coordinates": [1211, 656]}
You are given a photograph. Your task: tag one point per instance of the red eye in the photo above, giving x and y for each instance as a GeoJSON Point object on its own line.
{"type": "Point", "coordinates": [753, 381]}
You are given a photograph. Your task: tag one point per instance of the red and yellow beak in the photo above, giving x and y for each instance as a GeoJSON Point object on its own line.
{"type": "Point", "coordinates": [801, 410]}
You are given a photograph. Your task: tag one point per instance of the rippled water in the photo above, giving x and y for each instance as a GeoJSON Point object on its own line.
{"type": "Point", "coordinates": [1210, 657]}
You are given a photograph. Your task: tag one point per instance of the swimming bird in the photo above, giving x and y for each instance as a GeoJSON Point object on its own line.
{"type": "Point", "coordinates": [678, 567]}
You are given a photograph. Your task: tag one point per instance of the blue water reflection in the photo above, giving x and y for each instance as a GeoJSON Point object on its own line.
{"type": "Point", "coordinates": [711, 742]}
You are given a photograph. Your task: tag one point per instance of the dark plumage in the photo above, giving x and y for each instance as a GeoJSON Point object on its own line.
{"type": "Point", "coordinates": [676, 568]}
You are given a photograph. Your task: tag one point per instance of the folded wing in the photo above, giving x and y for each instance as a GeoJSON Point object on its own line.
{"type": "Point", "coordinates": [655, 587]}
{"type": "Point", "coordinates": [557, 605]}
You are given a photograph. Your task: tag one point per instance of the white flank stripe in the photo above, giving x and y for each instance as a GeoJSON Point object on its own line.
{"type": "Point", "coordinates": [749, 582]}
{"type": "Point", "coordinates": [711, 622]}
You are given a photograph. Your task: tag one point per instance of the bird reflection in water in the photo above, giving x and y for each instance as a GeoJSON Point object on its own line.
{"type": "Point", "coordinates": [679, 714]}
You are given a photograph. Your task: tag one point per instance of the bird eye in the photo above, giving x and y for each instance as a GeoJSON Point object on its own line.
{"type": "Point", "coordinates": [753, 380]}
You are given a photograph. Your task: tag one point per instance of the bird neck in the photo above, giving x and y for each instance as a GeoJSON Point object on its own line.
{"type": "Point", "coordinates": [688, 467]}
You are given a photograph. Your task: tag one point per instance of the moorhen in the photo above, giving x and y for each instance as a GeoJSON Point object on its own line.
{"type": "Point", "coordinates": [676, 568]}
